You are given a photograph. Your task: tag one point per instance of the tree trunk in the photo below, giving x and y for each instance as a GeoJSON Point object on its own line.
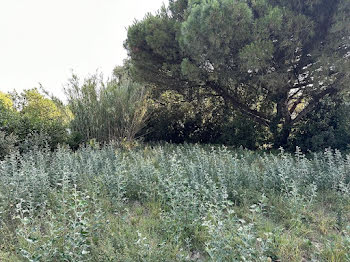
{"type": "Point", "coordinates": [281, 125]}
{"type": "Point", "coordinates": [280, 139]}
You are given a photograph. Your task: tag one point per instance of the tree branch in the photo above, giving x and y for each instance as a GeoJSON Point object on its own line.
{"type": "Point", "coordinates": [295, 104]}
{"type": "Point", "coordinates": [245, 109]}
{"type": "Point", "coordinates": [313, 103]}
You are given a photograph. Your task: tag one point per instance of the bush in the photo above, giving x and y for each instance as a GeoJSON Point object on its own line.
{"type": "Point", "coordinates": [105, 111]}
{"type": "Point", "coordinates": [7, 144]}
{"type": "Point", "coordinates": [177, 118]}
{"type": "Point", "coordinates": [327, 127]}
{"type": "Point", "coordinates": [33, 120]}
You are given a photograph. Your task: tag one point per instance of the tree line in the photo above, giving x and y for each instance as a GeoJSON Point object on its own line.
{"type": "Point", "coordinates": [256, 73]}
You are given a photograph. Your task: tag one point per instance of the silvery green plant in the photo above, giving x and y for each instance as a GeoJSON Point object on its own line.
{"type": "Point", "coordinates": [55, 205]}
{"type": "Point", "coordinates": [234, 239]}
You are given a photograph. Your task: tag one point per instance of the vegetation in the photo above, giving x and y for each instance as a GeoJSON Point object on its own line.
{"type": "Point", "coordinates": [219, 77]}
{"type": "Point", "coordinates": [274, 61]}
{"type": "Point", "coordinates": [174, 203]}
{"type": "Point", "coordinates": [115, 110]}
{"type": "Point", "coordinates": [30, 119]}
{"type": "Point", "coordinates": [328, 127]}
{"type": "Point", "coordinates": [178, 119]}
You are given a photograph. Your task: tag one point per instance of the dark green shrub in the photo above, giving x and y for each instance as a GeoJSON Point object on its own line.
{"type": "Point", "coordinates": [178, 119]}
{"type": "Point", "coordinates": [329, 126]}
{"type": "Point", "coordinates": [7, 143]}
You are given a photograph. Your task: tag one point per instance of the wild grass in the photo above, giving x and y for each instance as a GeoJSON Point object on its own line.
{"type": "Point", "coordinates": [174, 203]}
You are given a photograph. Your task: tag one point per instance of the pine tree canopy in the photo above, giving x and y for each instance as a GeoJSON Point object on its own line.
{"type": "Point", "coordinates": [273, 60]}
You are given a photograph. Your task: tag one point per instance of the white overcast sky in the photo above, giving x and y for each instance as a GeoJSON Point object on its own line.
{"type": "Point", "coordinates": [42, 41]}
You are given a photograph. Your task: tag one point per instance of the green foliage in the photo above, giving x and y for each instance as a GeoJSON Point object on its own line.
{"type": "Point", "coordinates": [5, 100]}
{"type": "Point", "coordinates": [235, 239]}
{"type": "Point", "coordinates": [38, 108]}
{"type": "Point", "coordinates": [174, 203]}
{"type": "Point", "coordinates": [115, 110]}
{"type": "Point", "coordinates": [7, 143]}
{"type": "Point", "coordinates": [30, 119]}
{"type": "Point", "coordinates": [328, 127]}
{"type": "Point", "coordinates": [199, 119]}
{"type": "Point", "coordinates": [237, 130]}
{"type": "Point", "coordinates": [178, 119]}
{"type": "Point", "coordinates": [224, 24]}
{"type": "Point", "coordinates": [8, 115]}
{"type": "Point", "coordinates": [273, 61]}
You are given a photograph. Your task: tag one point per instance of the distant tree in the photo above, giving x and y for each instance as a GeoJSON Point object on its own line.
{"type": "Point", "coordinates": [273, 60]}
{"type": "Point", "coordinates": [35, 105]}
{"type": "Point", "coordinates": [31, 119]}
{"type": "Point", "coordinates": [8, 114]}
{"type": "Point", "coordinates": [6, 101]}
{"type": "Point", "coordinates": [8, 117]}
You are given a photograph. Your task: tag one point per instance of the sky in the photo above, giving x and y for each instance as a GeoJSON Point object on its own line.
{"type": "Point", "coordinates": [43, 41]}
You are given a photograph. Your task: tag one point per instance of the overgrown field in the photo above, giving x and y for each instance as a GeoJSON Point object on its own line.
{"type": "Point", "coordinates": [174, 203]}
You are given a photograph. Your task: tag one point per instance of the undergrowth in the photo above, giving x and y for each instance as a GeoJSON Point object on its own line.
{"type": "Point", "coordinates": [174, 203]}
